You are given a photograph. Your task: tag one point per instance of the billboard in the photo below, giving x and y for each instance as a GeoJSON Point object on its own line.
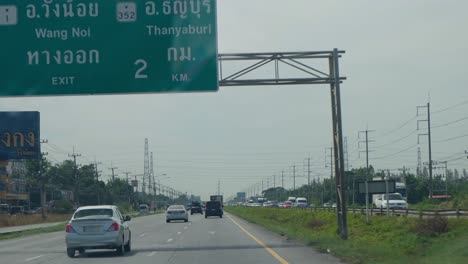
{"type": "Point", "coordinates": [377, 187]}
{"type": "Point", "coordinates": [19, 135]}
{"type": "Point", "coordinates": [241, 195]}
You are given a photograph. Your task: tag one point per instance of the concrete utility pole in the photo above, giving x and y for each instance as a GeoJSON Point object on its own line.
{"type": "Point", "coordinates": [98, 193]}
{"type": "Point", "coordinates": [146, 167]}
{"type": "Point", "coordinates": [428, 120]}
{"type": "Point", "coordinates": [294, 177]}
{"type": "Point", "coordinates": [366, 132]}
{"type": "Point", "coordinates": [75, 176]}
{"type": "Point", "coordinates": [112, 168]}
{"type": "Point", "coordinates": [330, 165]}
{"type": "Point", "coordinates": [219, 187]}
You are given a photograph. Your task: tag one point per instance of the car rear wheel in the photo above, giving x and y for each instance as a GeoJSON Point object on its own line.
{"type": "Point", "coordinates": [81, 250]}
{"type": "Point", "coordinates": [71, 252]}
{"type": "Point", "coordinates": [185, 220]}
{"type": "Point", "coordinates": [121, 249]}
{"type": "Point", "coordinates": [167, 221]}
{"type": "Point", "coordinates": [128, 247]}
{"type": "Point", "coordinates": [221, 216]}
{"type": "Point", "coordinates": [206, 216]}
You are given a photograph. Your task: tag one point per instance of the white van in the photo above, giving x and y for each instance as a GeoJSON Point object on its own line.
{"type": "Point", "coordinates": [301, 202]}
{"type": "Point", "coordinates": [143, 208]}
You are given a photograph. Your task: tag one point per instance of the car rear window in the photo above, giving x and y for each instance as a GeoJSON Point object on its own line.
{"type": "Point", "coordinates": [176, 207]}
{"type": "Point", "coordinates": [93, 212]}
{"type": "Point", "coordinates": [212, 205]}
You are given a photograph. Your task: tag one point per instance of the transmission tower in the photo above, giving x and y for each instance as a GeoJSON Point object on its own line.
{"type": "Point", "coordinates": [146, 173]}
{"type": "Point", "coordinates": [420, 166]}
{"type": "Point", "coordinates": [345, 150]}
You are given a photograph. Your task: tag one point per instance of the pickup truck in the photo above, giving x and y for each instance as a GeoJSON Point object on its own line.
{"type": "Point", "coordinates": [395, 201]}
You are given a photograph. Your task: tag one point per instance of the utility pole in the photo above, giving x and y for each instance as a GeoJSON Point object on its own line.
{"type": "Point", "coordinates": [219, 187]}
{"type": "Point", "coordinates": [308, 181]}
{"type": "Point", "coordinates": [420, 166]}
{"type": "Point", "coordinates": [294, 177]}
{"type": "Point", "coordinates": [112, 168]}
{"type": "Point", "coordinates": [97, 181]}
{"type": "Point", "coordinates": [274, 181]}
{"type": "Point", "coordinates": [329, 164]}
{"type": "Point", "coordinates": [428, 134]}
{"type": "Point", "coordinates": [152, 174]}
{"type": "Point", "coordinates": [366, 140]}
{"type": "Point", "coordinates": [146, 170]}
{"type": "Point", "coordinates": [128, 189]}
{"type": "Point", "coordinates": [75, 176]}
{"type": "Point", "coordinates": [367, 166]}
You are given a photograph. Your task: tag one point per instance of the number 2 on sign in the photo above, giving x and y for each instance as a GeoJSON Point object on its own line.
{"type": "Point", "coordinates": [142, 67]}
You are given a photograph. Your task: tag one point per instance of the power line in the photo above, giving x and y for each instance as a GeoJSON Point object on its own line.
{"type": "Point", "coordinates": [396, 153]}
{"type": "Point", "coordinates": [399, 127]}
{"type": "Point", "coordinates": [452, 122]}
{"type": "Point", "coordinates": [450, 107]}
{"type": "Point", "coordinates": [398, 140]}
{"type": "Point", "coordinates": [452, 138]}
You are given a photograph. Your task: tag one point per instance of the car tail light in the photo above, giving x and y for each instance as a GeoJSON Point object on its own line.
{"type": "Point", "coordinates": [69, 229]}
{"type": "Point", "coordinates": [114, 227]}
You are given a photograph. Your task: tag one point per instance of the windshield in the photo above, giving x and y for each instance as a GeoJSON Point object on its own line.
{"type": "Point", "coordinates": [93, 212]}
{"type": "Point", "coordinates": [393, 197]}
{"type": "Point", "coordinates": [176, 207]}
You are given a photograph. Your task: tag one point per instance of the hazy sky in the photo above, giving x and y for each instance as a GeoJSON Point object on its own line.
{"type": "Point", "coordinates": [399, 54]}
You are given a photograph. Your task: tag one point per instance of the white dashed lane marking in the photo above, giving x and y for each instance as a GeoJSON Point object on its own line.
{"type": "Point", "coordinates": [36, 257]}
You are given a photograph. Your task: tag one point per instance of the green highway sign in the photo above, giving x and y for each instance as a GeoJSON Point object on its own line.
{"type": "Point", "coordinates": [76, 47]}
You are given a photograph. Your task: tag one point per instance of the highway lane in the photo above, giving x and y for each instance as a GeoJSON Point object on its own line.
{"type": "Point", "coordinates": [213, 240]}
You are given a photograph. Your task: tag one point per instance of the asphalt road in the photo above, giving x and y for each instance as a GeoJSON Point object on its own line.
{"type": "Point", "coordinates": [213, 240]}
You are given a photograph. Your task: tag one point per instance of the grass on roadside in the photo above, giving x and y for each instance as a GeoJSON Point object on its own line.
{"type": "Point", "coordinates": [59, 227]}
{"type": "Point", "coordinates": [385, 240]}
{"type": "Point", "coordinates": [18, 220]}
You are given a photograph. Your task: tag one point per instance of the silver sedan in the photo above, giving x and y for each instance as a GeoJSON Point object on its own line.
{"type": "Point", "coordinates": [98, 227]}
{"type": "Point", "coordinates": [176, 212]}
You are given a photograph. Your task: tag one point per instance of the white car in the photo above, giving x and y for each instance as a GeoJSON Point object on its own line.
{"type": "Point", "coordinates": [395, 201]}
{"type": "Point", "coordinates": [98, 227]}
{"type": "Point", "coordinates": [176, 212]}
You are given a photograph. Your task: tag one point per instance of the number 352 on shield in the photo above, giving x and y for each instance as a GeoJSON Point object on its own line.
{"type": "Point", "coordinates": [126, 12]}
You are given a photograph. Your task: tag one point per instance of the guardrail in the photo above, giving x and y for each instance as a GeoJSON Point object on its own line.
{"type": "Point", "coordinates": [402, 212]}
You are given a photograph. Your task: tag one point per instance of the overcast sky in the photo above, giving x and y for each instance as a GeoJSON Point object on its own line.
{"type": "Point", "coordinates": [399, 54]}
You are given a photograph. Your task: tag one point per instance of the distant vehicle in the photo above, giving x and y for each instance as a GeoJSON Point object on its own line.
{"type": "Point", "coordinates": [280, 205]}
{"type": "Point", "coordinates": [395, 201]}
{"type": "Point", "coordinates": [98, 227]}
{"type": "Point", "coordinates": [176, 212]}
{"type": "Point", "coordinates": [188, 206]}
{"type": "Point", "coordinates": [214, 208]}
{"type": "Point", "coordinates": [4, 209]}
{"type": "Point", "coordinates": [143, 208]}
{"type": "Point", "coordinates": [292, 199]}
{"type": "Point", "coordinates": [287, 204]}
{"type": "Point", "coordinates": [301, 202]}
{"type": "Point", "coordinates": [16, 210]}
{"type": "Point", "coordinates": [196, 208]}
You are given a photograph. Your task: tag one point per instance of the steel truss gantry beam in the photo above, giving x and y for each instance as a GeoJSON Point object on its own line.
{"type": "Point", "coordinates": [297, 61]}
